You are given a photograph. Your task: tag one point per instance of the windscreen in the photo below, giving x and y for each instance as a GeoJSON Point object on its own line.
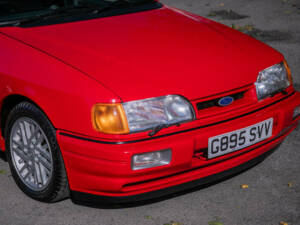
{"type": "Point", "coordinates": [20, 9]}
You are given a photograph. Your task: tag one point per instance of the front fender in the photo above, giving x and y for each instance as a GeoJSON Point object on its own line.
{"type": "Point", "coordinates": [65, 94]}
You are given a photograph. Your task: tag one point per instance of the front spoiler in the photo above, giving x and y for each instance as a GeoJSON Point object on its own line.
{"type": "Point", "coordinates": [101, 201]}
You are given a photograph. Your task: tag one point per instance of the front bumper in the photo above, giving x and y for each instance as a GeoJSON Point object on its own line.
{"type": "Point", "coordinates": [92, 200]}
{"type": "Point", "coordinates": [104, 169]}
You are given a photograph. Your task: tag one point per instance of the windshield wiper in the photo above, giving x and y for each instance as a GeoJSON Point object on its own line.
{"type": "Point", "coordinates": [160, 127]}
{"type": "Point", "coordinates": [8, 23]}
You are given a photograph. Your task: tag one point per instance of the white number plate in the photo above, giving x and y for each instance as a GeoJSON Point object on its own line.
{"type": "Point", "coordinates": [239, 139]}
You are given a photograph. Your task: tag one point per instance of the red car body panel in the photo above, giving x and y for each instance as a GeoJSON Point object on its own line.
{"type": "Point", "coordinates": [62, 92]}
{"type": "Point", "coordinates": [67, 68]}
{"type": "Point", "coordinates": [155, 53]}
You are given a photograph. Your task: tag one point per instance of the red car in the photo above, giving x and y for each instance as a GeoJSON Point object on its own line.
{"type": "Point", "coordinates": [126, 100]}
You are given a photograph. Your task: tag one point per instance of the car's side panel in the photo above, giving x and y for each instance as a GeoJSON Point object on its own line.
{"type": "Point", "coordinates": [65, 94]}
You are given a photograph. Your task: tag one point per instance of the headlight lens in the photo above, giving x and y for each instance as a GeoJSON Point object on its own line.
{"type": "Point", "coordinates": [149, 113]}
{"type": "Point", "coordinates": [272, 80]}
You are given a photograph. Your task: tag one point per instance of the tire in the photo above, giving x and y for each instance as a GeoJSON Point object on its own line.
{"type": "Point", "coordinates": [33, 154]}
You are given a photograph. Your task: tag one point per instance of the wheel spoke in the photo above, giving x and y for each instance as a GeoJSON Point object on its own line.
{"type": "Point", "coordinates": [27, 175]}
{"type": "Point", "coordinates": [44, 153]}
{"type": "Point", "coordinates": [21, 154]}
{"type": "Point", "coordinates": [27, 131]}
{"type": "Point", "coordinates": [39, 140]}
{"type": "Point", "coordinates": [44, 173]}
{"type": "Point", "coordinates": [23, 168]}
{"type": "Point", "coordinates": [34, 134]}
{"type": "Point", "coordinates": [44, 163]}
{"type": "Point", "coordinates": [38, 174]}
{"type": "Point", "coordinates": [35, 178]}
{"type": "Point", "coordinates": [24, 138]}
{"type": "Point", "coordinates": [19, 144]}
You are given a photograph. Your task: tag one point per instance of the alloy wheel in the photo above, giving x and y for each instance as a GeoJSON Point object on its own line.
{"type": "Point", "coordinates": [31, 154]}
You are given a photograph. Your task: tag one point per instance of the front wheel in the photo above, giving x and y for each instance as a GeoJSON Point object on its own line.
{"type": "Point", "coordinates": [34, 155]}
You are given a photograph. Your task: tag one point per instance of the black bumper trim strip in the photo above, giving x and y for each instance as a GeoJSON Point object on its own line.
{"type": "Point", "coordinates": [104, 201]}
{"type": "Point", "coordinates": [178, 132]}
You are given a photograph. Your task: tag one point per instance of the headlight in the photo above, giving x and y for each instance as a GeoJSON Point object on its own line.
{"type": "Point", "coordinates": [272, 80]}
{"type": "Point", "coordinates": [141, 115]}
{"type": "Point", "coordinates": [150, 113]}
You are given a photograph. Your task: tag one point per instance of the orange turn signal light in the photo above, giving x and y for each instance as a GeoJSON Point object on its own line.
{"type": "Point", "coordinates": [288, 71]}
{"type": "Point", "coordinates": [110, 119]}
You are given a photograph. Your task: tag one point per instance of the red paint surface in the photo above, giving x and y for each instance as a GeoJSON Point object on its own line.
{"type": "Point", "coordinates": [67, 68]}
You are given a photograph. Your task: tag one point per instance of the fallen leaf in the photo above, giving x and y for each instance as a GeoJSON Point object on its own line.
{"type": "Point", "coordinates": [2, 171]}
{"type": "Point", "coordinates": [244, 186]}
{"type": "Point", "coordinates": [175, 223]}
{"type": "Point", "coordinates": [249, 27]}
{"type": "Point", "coordinates": [148, 217]}
{"type": "Point", "coordinates": [283, 223]}
{"type": "Point", "coordinates": [215, 223]}
{"type": "Point", "coordinates": [221, 4]}
{"type": "Point", "coordinates": [236, 27]}
{"type": "Point", "coordinates": [290, 184]}
{"type": "Point", "coordinates": [212, 14]}
{"type": "Point", "coordinates": [288, 12]}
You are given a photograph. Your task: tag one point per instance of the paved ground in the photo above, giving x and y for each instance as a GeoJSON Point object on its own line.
{"type": "Point", "coordinates": [268, 200]}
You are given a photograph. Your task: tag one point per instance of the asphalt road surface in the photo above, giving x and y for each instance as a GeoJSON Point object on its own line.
{"type": "Point", "coordinates": [273, 193]}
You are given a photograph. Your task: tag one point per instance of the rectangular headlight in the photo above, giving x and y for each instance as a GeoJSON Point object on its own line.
{"type": "Point", "coordinates": [150, 113]}
{"type": "Point", "coordinates": [151, 159]}
{"type": "Point", "coordinates": [272, 80]}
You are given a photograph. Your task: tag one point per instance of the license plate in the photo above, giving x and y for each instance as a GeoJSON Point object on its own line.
{"type": "Point", "coordinates": [239, 139]}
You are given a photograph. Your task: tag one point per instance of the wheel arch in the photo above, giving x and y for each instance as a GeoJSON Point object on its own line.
{"type": "Point", "coordinates": [8, 103]}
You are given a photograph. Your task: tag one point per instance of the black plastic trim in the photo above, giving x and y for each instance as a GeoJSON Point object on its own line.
{"type": "Point", "coordinates": [178, 132]}
{"type": "Point", "coordinates": [94, 200]}
{"type": "Point", "coordinates": [215, 102]}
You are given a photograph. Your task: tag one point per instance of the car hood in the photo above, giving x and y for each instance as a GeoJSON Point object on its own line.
{"type": "Point", "coordinates": [154, 53]}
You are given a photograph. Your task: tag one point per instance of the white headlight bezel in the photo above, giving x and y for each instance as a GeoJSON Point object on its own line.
{"type": "Point", "coordinates": [157, 111]}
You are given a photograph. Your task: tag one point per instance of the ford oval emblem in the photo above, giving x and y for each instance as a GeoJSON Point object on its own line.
{"type": "Point", "coordinates": [226, 101]}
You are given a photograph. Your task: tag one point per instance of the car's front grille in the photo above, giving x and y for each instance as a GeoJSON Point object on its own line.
{"type": "Point", "coordinates": [215, 102]}
{"type": "Point", "coordinates": [210, 108]}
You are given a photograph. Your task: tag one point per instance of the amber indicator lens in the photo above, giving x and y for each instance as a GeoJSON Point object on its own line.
{"type": "Point", "coordinates": [288, 70]}
{"type": "Point", "coordinates": [110, 119]}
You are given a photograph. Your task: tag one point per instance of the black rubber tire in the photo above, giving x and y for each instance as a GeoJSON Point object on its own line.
{"type": "Point", "coordinates": [58, 187]}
